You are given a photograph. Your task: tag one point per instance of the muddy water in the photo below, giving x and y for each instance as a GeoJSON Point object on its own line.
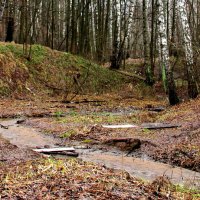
{"type": "Point", "coordinates": [145, 169]}
{"type": "Point", "coordinates": [141, 168]}
{"type": "Point", "coordinates": [25, 137]}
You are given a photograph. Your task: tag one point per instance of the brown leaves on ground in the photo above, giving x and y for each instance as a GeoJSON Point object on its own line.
{"type": "Point", "coordinates": [11, 153]}
{"type": "Point", "coordinates": [72, 179]}
{"type": "Point", "coordinates": [180, 146]}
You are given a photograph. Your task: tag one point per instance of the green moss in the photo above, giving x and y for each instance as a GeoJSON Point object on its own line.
{"type": "Point", "coordinates": [4, 49]}
{"type": "Point", "coordinates": [58, 114]}
{"type": "Point", "coordinates": [87, 141]}
{"type": "Point", "coordinates": [68, 134]}
{"type": "Point", "coordinates": [38, 54]}
{"type": "Point", "coordinates": [49, 69]}
{"type": "Point", "coordinates": [195, 193]}
{"type": "Point", "coordinates": [15, 49]}
{"type": "Point", "coordinates": [146, 131]}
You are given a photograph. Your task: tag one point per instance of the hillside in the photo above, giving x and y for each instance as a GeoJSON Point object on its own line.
{"type": "Point", "coordinates": [51, 72]}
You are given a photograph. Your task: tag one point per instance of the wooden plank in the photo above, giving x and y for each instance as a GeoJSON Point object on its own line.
{"type": "Point", "coordinates": [143, 126]}
{"type": "Point", "coordinates": [159, 125]}
{"type": "Point", "coordinates": [65, 153]}
{"type": "Point", "coordinates": [120, 126]}
{"type": "Point", "coordinates": [49, 150]}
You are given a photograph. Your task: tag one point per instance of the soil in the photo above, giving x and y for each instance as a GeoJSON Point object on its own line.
{"type": "Point", "coordinates": [10, 153]}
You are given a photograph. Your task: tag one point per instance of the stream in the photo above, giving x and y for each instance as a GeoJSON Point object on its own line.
{"type": "Point", "coordinates": [27, 137]}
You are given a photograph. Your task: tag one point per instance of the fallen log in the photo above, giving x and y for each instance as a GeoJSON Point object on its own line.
{"type": "Point", "coordinates": [114, 140]}
{"type": "Point", "coordinates": [130, 74]}
{"type": "Point", "coordinates": [158, 125]}
{"type": "Point", "coordinates": [65, 153]}
{"type": "Point", "coordinates": [51, 150]}
{"type": "Point", "coordinates": [84, 101]}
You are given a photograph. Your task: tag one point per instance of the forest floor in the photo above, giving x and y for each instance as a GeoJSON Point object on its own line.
{"type": "Point", "coordinates": [47, 113]}
{"type": "Point", "coordinates": [26, 174]}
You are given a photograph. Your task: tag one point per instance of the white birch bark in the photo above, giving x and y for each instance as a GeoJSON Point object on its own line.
{"type": "Point", "coordinates": [130, 8]}
{"type": "Point", "coordinates": [167, 74]}
{"type": "Point", "coordinates": [2, 7]}
{"type": "Point", "coordinates": [116, 57]}
{"type": "Point", "coordinates": [182, 10]}
{"type": "Point", "coordinates": [93, 26]}
{"type": "Point", "coordinates": [118, 24]}
{"type": "Point", "coordinates": [162, 29]}
{"type": "Point", "coordinates": [187, 39]}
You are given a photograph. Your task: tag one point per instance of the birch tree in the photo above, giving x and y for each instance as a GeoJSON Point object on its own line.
{"type": "Point", "coordinates": [187, 40]}
{"type": "Point", "coordinates": [168, 79]}
{"type": "Point", "coordinates": [2, 7]}
{"type": "Point", "coordinates": [130, 9]}
{"type": "Point", "coordinates": [147, 66]}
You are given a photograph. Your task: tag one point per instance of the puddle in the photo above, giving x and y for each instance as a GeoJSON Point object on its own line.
{"type": "Point", "coordinates": [25, 137]}
{"type": "Point", "coordinates": [141, 168]}
{"type": "Point", "coordinates": [145, 169]}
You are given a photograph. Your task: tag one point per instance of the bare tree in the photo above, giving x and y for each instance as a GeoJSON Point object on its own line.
{"type": "Point", "coordinates": [168, 79]}
{"type": "Point", "coordinates": [187, 39]}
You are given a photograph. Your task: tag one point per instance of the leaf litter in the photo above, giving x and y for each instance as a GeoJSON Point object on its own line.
{"type": "Point", "coordinates": [43, 179]}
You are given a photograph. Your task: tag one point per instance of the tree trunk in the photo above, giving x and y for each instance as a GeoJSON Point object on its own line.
{"type": "Point", "coordinates": [10, 30]}
{"type": "Point", "coordinates": [147, 66]}
{"type": "Point", "coordinates": [2, 7]}
{"type": "Point", "coordinates": [168, 79]}
{"type": "Point", "coordinates": [187, 39]}
{"type": "Point", "coordinates": [116, 58]}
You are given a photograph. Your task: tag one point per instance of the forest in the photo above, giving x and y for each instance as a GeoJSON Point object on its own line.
{"type": "Point", "coordinates": [99, 99]}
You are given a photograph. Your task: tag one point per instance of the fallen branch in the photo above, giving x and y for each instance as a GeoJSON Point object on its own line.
{"type": "Point", "coordinates": [84, 101]}
{"type": "Point", "coordinates": [130, 75]}
{"type": "Point", "coordinates": [156, 109]}
{"type": "Point", "coordinates": [4, 127]}
{"type": "Point", "coordinates": [115, 140]}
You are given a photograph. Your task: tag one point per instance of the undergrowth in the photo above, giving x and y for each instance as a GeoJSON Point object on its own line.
{"type": "Point", "coordinates": [52, 72]}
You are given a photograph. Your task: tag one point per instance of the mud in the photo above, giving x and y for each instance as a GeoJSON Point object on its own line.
{"type": "Point", "coordinates": [25, 137]}
{"type": "Point", "coordinates": [146, 169]}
